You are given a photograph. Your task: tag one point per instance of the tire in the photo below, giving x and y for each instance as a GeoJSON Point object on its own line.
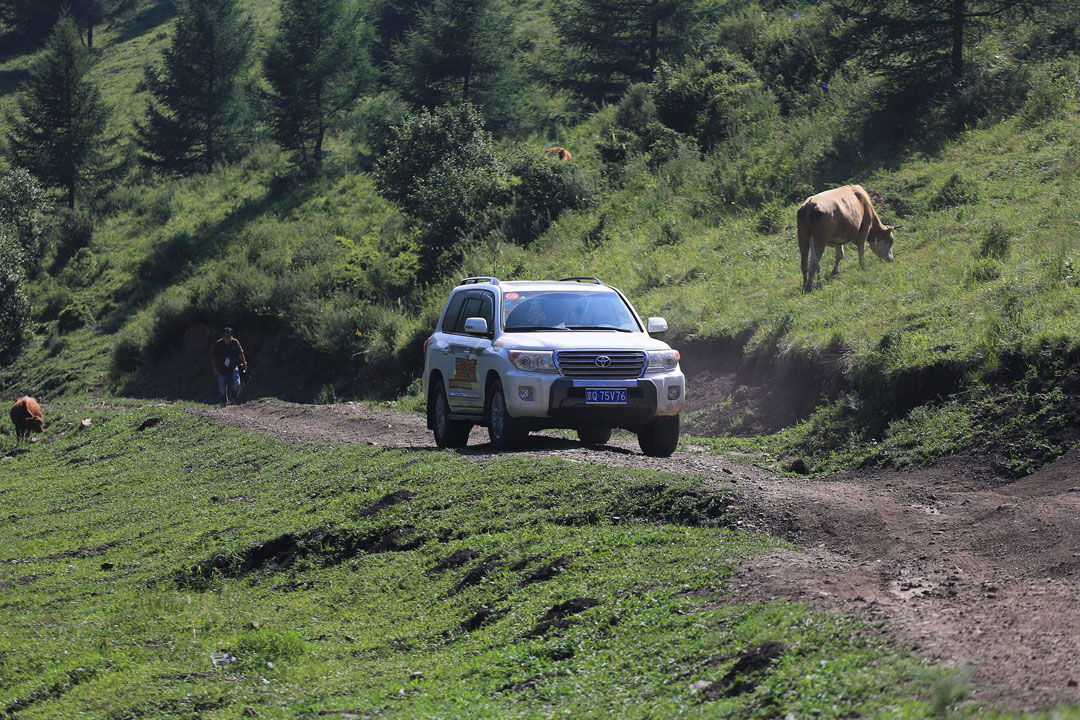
{"type": "Point", "coordinates": [660, 438]}
{"type": "Point", "coordinates": [448, 433]}
{"type": "Point", "coordinates": [594, 436]}
{"type": "Point", "coordinates": [505, 432]}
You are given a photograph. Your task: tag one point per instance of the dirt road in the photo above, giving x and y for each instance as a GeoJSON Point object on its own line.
{"type": "Point", "coordinates": [960, 564]}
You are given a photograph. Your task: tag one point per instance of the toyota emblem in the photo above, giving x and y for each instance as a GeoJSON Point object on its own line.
{"type": "Point", "coordinates": [602, 361]}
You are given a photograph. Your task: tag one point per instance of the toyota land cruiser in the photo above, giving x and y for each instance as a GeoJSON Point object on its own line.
{"type": "Point", "coordinates": [573, 353]}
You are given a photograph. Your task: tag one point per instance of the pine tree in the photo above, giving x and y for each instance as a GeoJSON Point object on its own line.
{"type": "Point", "coordinates": [392, 20]}
{"type": "Point", "coordinates": [317, 66]}
{"type": "Point", "coordinates": [197, 110]}
{"type": "Point", "coordinates": [918, 39]}
{"type": "Point", "coordinates": [614, 43]}
{"type": "Point", "coordinates": [33, 19]}
{"type": "Point", "coordinates": [455, 54]}
{"type": "Point", "coordinates": [59, 130]}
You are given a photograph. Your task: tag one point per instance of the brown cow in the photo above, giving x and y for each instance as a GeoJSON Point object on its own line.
{"type": "Point", "coordinates": [26, 414]}
{"type": "Point", "coordinates": [835, 217]}
{"type": "Point", "coordinates": [558, 152]}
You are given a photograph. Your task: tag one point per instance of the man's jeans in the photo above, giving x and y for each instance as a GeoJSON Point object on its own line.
{"type": "Point", "coordinates": [228, 386]}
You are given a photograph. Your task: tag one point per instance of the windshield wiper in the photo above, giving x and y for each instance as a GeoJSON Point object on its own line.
{"type": "Point", "coordinates": [598, 327]}
{"type": "Point", "coordinates": [531, 328]}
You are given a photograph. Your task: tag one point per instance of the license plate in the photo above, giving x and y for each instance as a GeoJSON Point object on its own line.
{"type": "Point", "coordinates": [605, 396]}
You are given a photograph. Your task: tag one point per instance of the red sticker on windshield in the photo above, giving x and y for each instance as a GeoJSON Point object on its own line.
{"type": "Point", "coordinates": [511, 296]}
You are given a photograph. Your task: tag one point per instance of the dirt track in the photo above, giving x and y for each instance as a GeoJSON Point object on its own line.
{"type": "Point", "coordinates": [962, 566]}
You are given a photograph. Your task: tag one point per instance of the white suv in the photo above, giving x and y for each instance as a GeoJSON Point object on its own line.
{"type": "Point", "coordinates": [573, 353]}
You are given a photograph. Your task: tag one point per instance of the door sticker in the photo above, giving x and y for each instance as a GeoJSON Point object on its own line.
{"type": "Point", "coordinates": [464, 373]}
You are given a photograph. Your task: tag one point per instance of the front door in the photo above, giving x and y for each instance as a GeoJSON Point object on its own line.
{"type": "Point", "coordinates": [465, 382]}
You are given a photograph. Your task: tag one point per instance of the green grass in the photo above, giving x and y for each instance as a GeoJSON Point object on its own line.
{"type": "Point", "coordinates": [181, 508]}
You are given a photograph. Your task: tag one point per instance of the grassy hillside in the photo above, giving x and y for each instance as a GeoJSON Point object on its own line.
{"type": "Point", "coordinates": [393, 583]}
{"type": "Point", "coordinates": [327, 283]}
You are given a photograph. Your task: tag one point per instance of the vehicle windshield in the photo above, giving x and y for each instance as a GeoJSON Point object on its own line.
{"type": "Point", "coordinates": [539, 310]}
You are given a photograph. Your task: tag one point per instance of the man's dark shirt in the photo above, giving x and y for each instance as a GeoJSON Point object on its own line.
{"type": "Point", "coordinates": [222, 352]}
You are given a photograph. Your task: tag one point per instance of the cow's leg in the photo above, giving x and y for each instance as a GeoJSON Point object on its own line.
{"type": "Point", "coordinates": [860, 240]}
{"type": "Point", "coordinates": [815, 260]}
{"type": "Point", "coordinates": [839, 257]}
{"type": "Point", "coordinates": [804, 250]}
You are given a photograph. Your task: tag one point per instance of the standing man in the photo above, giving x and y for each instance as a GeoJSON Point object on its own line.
{"type": "Point", "coordinates": [227, 359]}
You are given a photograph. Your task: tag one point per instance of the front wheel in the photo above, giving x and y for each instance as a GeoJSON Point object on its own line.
{"type": "Point", "coordinates": [505, 432]}
{"type": "Point", "coordinates": [448, 433]}
{"type": "Point", "coordinates": [660, 438]}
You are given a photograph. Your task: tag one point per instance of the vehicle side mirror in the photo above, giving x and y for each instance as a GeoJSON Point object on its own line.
{"type": "Point", "coordinates": [657, 326]}
{"type": "Point", "coordinates": [476, 326]}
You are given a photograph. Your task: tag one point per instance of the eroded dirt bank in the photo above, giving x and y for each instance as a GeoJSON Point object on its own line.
{"type": "Point", "coordinates": [960, 565]}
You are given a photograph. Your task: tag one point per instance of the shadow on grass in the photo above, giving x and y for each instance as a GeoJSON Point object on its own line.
{"type": "Point", "coordinates": [146, 19]}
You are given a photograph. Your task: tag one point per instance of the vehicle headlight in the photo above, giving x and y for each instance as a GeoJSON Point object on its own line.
{"type": "Point", "coordinates": [663, 361]}
{"type": "Point", "coordinates": [539, 361]}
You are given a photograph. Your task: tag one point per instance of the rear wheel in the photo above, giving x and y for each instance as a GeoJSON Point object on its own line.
{"type": "Point", "coordinates": [660, 438]}
{"type": "Point", "coordinates": [505, 432]}
{"type": "Point", "coordinates": [448, 433]}
{"type": "Point", "coordinates": [594, 436]}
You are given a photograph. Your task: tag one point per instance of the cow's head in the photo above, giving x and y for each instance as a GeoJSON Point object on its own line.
{"type": "Point", "coordinates": [35, 424]}
{"type": "Point", "coordinates": [882, 242]}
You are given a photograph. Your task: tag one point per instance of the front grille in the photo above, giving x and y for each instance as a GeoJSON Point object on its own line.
{"type": "Point", "coordinates": [582, 363]}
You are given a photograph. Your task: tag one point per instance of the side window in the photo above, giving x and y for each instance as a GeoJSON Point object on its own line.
{"type": "Point", "coordinates": [450, 319]}
{"type": "Point", "coordinates": [471, 309]}
{"type": "Point", "coordinates": [487, 311]}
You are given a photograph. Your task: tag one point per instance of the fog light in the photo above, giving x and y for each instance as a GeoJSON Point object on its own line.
{"type": "Point", "coordinates": [673, 392]}
{"type": "Point", "coordinates": [525, 392]}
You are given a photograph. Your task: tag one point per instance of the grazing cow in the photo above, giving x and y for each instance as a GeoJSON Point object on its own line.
{"type": "Point", "coordinates": [835, 217]}
{"type": "Point", "coordinates": [26, 414]}
{"type": "Point", "coordinates": [558, 152]}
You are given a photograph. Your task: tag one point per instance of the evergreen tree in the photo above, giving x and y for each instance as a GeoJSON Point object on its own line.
{"type": "Point", "coordinates": [317, 66]}
{"type": "Point", "coordinates": [613, 43]}
{"type": "Point", "coordinates": [392, 20]}
{"type": "Point", "coordinates": [33, 19]}
{"type": "Point", "coordinates": [59, 129]}
{"type": "Point", "coordinates": [455, 54]}
{"type": "Point", "coordinates": [197, 110]}
{"type": "Point", "coordinates": [918, 39]}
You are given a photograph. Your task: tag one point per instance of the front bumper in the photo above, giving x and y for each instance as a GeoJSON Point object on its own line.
{"type": "Point", "coordinates": [558, 401]}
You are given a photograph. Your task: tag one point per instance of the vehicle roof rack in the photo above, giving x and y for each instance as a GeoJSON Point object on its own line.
{"type": "Point", "coordinates": [583, 278]}
{"type": "Point", "coordinates": [478, 280]}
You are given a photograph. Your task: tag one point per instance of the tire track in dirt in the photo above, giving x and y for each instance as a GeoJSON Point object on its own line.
{"type": "Point", "coordinates": [963, 566]}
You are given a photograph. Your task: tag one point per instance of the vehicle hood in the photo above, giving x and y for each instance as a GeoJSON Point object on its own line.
{"type": "Point", "coordinates": [581, 340]}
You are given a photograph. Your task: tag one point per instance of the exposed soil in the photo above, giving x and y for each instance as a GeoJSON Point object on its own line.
{"type": "Point", "coordinates": [963, 565]}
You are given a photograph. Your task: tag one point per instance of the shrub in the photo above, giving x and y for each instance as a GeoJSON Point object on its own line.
{"type": "Point", "coordinates": [73, 317]}
{"type": "Point", "coordinates": [995, 243]}
{"type": "Point", "coordinates": [68, 233]}
{"type": "Point", "coordinates": [14, 310]}
{"type": "Point", "coordinates": [1053, 89]}
{"type": "Point", "coordinates": [22, 204]}
{"type": "Point", "coordinates": [541, 188]}
{"type": "Point", "coordinates": [442, 168]}
{"type": "Point", "coordinates": [985, 269]}
{"type": "Point", "coordinates": [956, 191]}
{"type": "Point", "coordinates": [373, 122]}
{"type": "Point", "coordinates": [636, 129]}
{"type": "Point", "coordinates": [49, 303]}
{"type": "Point", "coordinates": [82, 269]}
{"type": "Point", "coordinates": [711, 98]}
{"type": "Point", "coordinates": [770, 219]}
